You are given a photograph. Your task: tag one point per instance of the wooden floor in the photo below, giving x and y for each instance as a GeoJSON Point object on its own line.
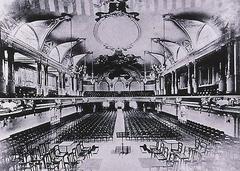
{"type": "Point", "coordinates": [109, 160]}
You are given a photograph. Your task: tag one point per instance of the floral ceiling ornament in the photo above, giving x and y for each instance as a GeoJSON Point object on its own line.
{"type": "Point", "coordinates": [117, 10]}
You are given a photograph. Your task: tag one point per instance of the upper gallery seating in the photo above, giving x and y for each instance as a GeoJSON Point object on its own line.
{"type": "Point", "coordinates": [208, 90]}
{"type": "Point", "coordinates": [141, 125]}
{"type": "Point", "coordinates": [118, 94]}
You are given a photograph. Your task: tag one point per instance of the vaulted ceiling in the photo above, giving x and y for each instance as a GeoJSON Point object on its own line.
{"type": "Point", "coordinates": [172, 28]}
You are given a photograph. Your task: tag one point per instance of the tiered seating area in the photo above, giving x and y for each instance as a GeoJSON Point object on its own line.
{"type": "Point", "coordinates": [141, 125]}
{"type": "Point", "coordinates": [118, 94]}
{"type": "Point", "coordinates": [95, 127]}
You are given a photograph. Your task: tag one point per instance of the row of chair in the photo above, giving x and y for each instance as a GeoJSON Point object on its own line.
{"type": "Point", "coordinates": [208, 133]}
{"type": "Point", "coordinates": [196, 129]}
{"type": "Point", "coordinates": [143, 126]}
{"type": "Point", "coordinates": [43, 156]}
{"type": "Point", "coordinates": [174, 157]}
{"type": "Point", "coordinates": [26, 141]}
{"type": "Point", "coordinates": [95, 127]}
{"type": "Point", "coordinates": [208, 90]}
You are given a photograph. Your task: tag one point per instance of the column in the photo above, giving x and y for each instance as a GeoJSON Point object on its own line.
{"type": "Point", "coordinates": [176, 83]}
{"type": "Point", "coordinates": [162, 85]}
{"type": "Point", "coordinates": [60, 83]}
{"type": "Point", "coordinates": [45, 90]}
{"type": "Point", "coordinates": [57, 83]}
{"type": "Point", "coordinates": [213, 75]}
{"type": "Point", "coordinates": [230, 69]}
{"type": "Point", "coordinates": [76, 84]}
{"type": "Point", "coordinates": [237, 67]}
{"type": "Point", "coordinates": [236, 126]}
{"type": "Point", "coordinates": [157, 86]}
{"type": "Point", "coordinates": [2, 78]}
{"type": "Point", "coordinates": [63, 84]}
{"type": "Point", "coordinates": [195, 84]}
{"type": "Point", "coordinates": [222, 82]}
{"type": "Point", "coordinates": [39, 78]}
{"type": "Point", "coordinates": [189, 89]}
{"type": "Point", "coordinates": [72, 84]}
{"type": "Point", "coordinates": [11, 77]}
{"type": "Point", "coordinates": [80, 85]}
{"type": "Point", "coordinates": [172, 83]}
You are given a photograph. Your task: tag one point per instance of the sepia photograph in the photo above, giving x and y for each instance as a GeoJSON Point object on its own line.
{"type": "Point", "coordinates": [119, 85]}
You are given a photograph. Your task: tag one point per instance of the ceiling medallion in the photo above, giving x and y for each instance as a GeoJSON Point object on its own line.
{"type": "Point", "coordinates": [117, 29]}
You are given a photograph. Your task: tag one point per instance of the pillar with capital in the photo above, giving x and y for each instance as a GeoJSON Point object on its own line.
{"type": "Point", "coordinates": [173, 83]}
{"type": "Point", "coordinates": [39, 78]}
{"type": "Point", "coordinates": [236, 126]}
{"type": "Point", "coordinates": [189, 87]}
{"type": "Point", "coordinates": [230, 68]}
{"type": "Point", "coordinates": [162, 82]}
{"type": "Point", "coordinates": [72, 84]}
{"type": "Point", "coordinates": [194, 80]}
{"type": "Point", "coordinates": [237, 66]}
{"type": "Point", "coordinates": [63, 84]}
{"type": "Point", "coordinates": [176, 82]}
{"type": "Point", "coordinates": [11, 73]}
{"type": "Point", "coordinates": [2, 73]}
{"type": "Point", "coordinates": [60, 82]}
{"type": "Point", "coordinates": [77, 83]}
{"type": "Point", "coordinates": [45, 85]}
{"type": "Point", "coordinates": [222, 79]}
{"type": "Point", "coordinates": [157, 85]}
